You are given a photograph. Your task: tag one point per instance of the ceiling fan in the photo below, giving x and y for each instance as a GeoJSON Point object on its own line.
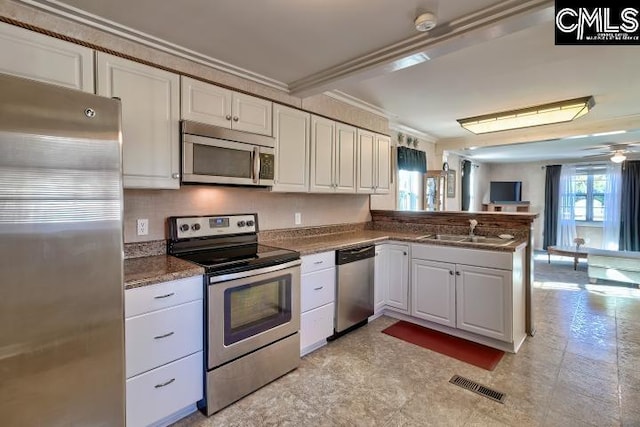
{"type": "Point", "coordinates": [616, 152]}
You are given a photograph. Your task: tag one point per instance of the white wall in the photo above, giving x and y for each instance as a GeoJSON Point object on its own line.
{"type": "Point", "coordinates": [532, 176]}
{"type": "Point", "coordinates": [275, 210]}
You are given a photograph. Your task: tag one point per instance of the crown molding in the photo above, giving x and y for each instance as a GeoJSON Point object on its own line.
{"type": "Point", "coordinates": [498, 20]}
{"type": "Point", "coordinates": [77, 15]}
{"type": "Point", "coordinates": [359, 103]}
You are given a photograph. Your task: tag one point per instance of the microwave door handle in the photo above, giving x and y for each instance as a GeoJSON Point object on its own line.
{"type": "Point", "coordinates": [256, 164]}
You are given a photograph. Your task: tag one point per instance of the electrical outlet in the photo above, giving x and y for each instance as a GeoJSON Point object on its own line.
{"type": "Point", "coordinates": [142, 225]}
{"type": "Point", "coordinates": [297, 218]}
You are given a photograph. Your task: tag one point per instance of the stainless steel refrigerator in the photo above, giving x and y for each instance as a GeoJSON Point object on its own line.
{"type": "Point", "coordinates": [61, 294]}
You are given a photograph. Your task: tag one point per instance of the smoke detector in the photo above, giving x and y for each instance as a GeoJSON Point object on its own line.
{"type": "Point", "coordinates": [425, 21]}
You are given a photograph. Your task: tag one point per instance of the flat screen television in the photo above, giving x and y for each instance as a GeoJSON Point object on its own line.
{"type": "Point", "coordinates": [505, 191]}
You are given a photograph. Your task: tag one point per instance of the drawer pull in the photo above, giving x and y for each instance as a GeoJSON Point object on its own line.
{"type": "Point", "coordinates": [318, 288]}
{"type": "Point", "coordinates": [164, 296]}
{"type": "Point", "coordinates": [159, 337]}
{"type": "Point", "coordinates": [165, 384]}
{"type": "Point", "coordinates": [318, 262]}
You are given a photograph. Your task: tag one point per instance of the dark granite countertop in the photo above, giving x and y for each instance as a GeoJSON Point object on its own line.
{"type": "Point", "coordinates": [150, 270]}
{"type": "Point", "coordinates": [329, 242]}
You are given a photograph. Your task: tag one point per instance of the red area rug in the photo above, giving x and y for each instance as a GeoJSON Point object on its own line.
{"type": "Point", "coordinates": [470, 352]}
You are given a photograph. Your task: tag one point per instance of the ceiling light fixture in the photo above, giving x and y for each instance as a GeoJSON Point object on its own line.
{"type": "Point", "coordinates": [425, 22]}
{"type": "Point", "coordinates": [618, 157]}
{"type": "Point", "coordinates": [556, 112]}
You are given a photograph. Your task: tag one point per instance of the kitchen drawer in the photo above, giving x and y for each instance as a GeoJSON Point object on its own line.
{"type": "Point", "coordinates": [316, 325]}
{"type": "Point", "coordinates": [318, 288]}
{"type": "Point", "coordinates": [163, 336]}
{"type": "Point", "coordinates": [317, 262]}
{"type": "Point", "coordinates": [155, 297]}
{"type": "Point", "coordinates": [157, 394]}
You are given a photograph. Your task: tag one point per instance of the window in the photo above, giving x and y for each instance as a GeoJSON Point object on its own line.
{"type": "Point", "coordinates": [589, 188]}
{"type": "Point", "coordinates": [409, 190]}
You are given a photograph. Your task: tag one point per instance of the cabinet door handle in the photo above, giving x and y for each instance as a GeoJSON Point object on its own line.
{"type": "Point", "coordinates": [164, 296]}
{"type": "Point", "coordinates": [165, 384]}
{"type": "Point", "coordinates": [457, 273]}
{"type": "Point", "coordinates": [236, 118]}
{"type": "Point", "coordinates": [404, 253]}
{"type": "Point", "coordinates": [228, 117]}
{"type": "Point", "coordinates": [450, 273]}
{"type": "Point", "coordinates": [318, 288]}
{"type": "Point", "coordinates": [175, 175]}
{"type": "Point", "coordinates": [168, 334]}
{"type": "Point", "coordinates": [318, 262]}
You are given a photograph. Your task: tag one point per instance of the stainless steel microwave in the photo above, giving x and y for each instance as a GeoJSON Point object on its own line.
{"type": "Point", "coordinates": [216, 155]}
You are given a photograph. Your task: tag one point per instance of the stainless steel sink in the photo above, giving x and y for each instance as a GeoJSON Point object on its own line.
{"type": "Point", "coordinates": [448, 237]}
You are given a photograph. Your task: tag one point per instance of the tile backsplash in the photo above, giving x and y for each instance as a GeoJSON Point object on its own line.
{"type": "Point", "coordinates": [275, 210]}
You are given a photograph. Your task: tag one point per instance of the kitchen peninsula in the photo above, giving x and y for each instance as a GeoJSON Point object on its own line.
{"type": "Point", "coordinates": [503, 265]}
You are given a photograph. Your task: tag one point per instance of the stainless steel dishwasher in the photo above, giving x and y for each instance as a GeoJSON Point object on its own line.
{"type": "Point", "coordinates": [354, 290]}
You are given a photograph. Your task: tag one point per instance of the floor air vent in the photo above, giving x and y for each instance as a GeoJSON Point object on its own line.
{"type": "Point", "coordinates": [478, 388]}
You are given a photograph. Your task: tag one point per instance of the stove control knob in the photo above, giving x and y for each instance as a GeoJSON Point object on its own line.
{"type": "Point", "coordinates": [250, 223]}
{"type": "Point", "coordinates": [184, 227]}
{"type": "Point", "coordinates": [241, 223]}
{"type": "Point", "coordinates": [195, 227]}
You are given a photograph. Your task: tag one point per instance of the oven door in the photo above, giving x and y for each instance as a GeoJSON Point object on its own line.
{"type": "Point", "coordinates": [219, 161]}
{"type": "Point", "coordinates": [246, 313]}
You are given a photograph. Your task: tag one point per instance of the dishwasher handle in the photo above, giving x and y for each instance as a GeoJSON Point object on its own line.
{"type": "Point", "coordinates": [346, 256]}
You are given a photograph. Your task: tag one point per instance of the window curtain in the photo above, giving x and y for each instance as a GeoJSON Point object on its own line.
{"type": "Point", "coordinates": [630, 207]}
{"type": "Point", "coordinates": [566, 215]}
{"type": "Point", "coordinates": [611, 223]}
{"type": "Point", "coordinates": [551, 205]}
{"type": "Point", "coordinates": [466, 185]}
{"type": "Point", "coordinates": [412, 160]}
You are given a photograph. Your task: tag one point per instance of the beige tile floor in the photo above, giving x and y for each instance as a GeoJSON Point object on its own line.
{"type": "Point", "coordinates": [582, 368]}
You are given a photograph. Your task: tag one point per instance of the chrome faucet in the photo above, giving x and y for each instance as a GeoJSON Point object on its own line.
{"type": "Point", "coordinates": [472, 226]}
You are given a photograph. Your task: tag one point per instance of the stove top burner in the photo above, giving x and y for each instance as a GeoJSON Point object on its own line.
{"type": "Point", "coordinates": [225, 260]}
{"type": "Point", "coordinates": [223, 244]}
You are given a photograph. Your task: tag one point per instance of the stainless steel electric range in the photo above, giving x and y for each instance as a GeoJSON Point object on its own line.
{"type": "Point", "coordinates": [252, 315]}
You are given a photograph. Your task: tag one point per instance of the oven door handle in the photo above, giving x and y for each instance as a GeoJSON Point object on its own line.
{"type": "Point", "coordinates": [249, 273]}
{"type": "Point", "coordinates": [256, 164]}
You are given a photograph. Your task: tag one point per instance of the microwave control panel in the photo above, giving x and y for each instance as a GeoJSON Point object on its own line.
{"type": "Point", "coordinates": [267, 166]}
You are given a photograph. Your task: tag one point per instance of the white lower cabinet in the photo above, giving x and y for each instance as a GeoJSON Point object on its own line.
{"type": "Point", "coordinates": [392, 277]}
{"type": "Point", "coordinates": [315, 326]}
{"type": "Point", "coordinates": [163, 351]}
{"type": "Point", "coordinates": [159, 393]}
{"type": "Point", "coordinates": [486, 300]}
{"type": "Point", "coordinates": [433, 290]}
{"type": "Point", "coordinates": [318, 293]}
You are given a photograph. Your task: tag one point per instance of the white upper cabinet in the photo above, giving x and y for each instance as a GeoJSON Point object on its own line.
{"type": "Point", "coordinates": [382, 163]}
{"type": "Point", "coordinates": [205, 103]}
{"type": "Point", "coordinates": [323, 133]}
{"type": "Point", "coordinates": [365, 170]}
{"type": "Point", "coordinates": [215, 105]}
{"type": "Point", "coordinates": [345, 162]}
{"type": "Point", "coordinates": [374, 163]}
{"type": "Point", "coordinates": [333, 157]}
{"type": "Point", "coordinates": [150, 120]}
{"type": "Point", "coordinates": [46, 59]}
{"type": "Point", "coordinates": [291, 131]}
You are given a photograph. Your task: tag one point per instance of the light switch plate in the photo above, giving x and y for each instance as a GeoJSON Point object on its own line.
{"type": "Point", "coordinates": [297, 218]}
